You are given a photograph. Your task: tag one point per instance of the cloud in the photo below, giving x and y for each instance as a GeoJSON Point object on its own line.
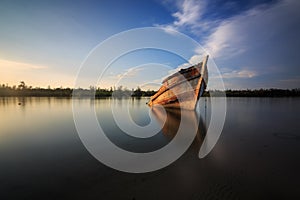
{"type": "Point", "coordinates": [240, 33]}
{"type": "Point", "coordinates": [239, 74]}
{"type": "Point", "coordinates": [292, 81]}
{"type": "Point", "coordinates": [224, 40]}
{"type": "Point", "coordinates": [264, 38]}
{"type": "Point", "coordinates": [14, 65]}
{"type": "Point", "coordinates": [129, 73]}
{"type": "Point", "coordinates": [198, 57]}
{"type": "Point", "coordinates": [113, 78]}
{"type": "Point", "coordinates": [12, 72]}
{"type": "Point", "coordinates": [145, 76]}
{"type": "Point", "coordinates": [235, 35]}
{"type": "Point", "coordinates": [188, 15]}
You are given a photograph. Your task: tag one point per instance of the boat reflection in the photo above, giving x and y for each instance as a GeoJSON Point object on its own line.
{"type": "Point", "coordinates": [170, 119]}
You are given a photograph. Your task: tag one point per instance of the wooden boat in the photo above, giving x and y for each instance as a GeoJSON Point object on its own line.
{"type": "Point", "coordinates": [183, 88]}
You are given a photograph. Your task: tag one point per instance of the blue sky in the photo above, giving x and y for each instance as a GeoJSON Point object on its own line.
{"type": "Point", "coordinates": [254, 43]}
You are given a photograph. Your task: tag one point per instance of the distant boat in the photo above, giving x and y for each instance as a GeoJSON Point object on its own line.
{"type": "Point", "coordinates": [183, 88]}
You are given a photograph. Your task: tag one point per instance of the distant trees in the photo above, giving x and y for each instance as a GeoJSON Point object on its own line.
{"type": "Point", "coordinates": [264, 93]}
{"type": "Point", "coordinates": [138, 92]}
{"type": "Point", "coordinates": [22, 85]}
{"type": "Point", "coordinates": [273, 92]}
{"type": "Point", "coordinates": [24, 90]}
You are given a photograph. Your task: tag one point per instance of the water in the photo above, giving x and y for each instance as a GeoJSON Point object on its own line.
{"type": "Point", "coordinates": [256, 156]}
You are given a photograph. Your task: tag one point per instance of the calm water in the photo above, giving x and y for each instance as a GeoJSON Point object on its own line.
{"type": "Point", "coordinates": [256, 157]}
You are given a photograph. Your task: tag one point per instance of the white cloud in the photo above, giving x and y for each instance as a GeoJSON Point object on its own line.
{"type": "Point", "coordinates": [223, 41]}
{"type": "Point", "coordinates": [168, 28]}
{"type": "Point", "coordinates": [189, 15]}
{"type": "Point", "coordinates": [115, 79]}
{"type": "Point", "coordinates": [235, 35]}
{"type": "Point", "coordinates": [238, 34]}
{"type": "Point", "coordinates": [198, 57]}
{"type": "Point", "coordinates": [14, 65]}
{"type": "Point", "coordinates": [239, 74]}
{"type": "Point", "coordinates": [131, 72]}
{"type": "Point", "coordinates": [264, 38]}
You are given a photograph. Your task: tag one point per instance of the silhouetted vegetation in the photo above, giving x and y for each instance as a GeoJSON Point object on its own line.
{"type": "Point", "coordinates": [258, 93]}
{"type": "Point", "coordinates": [264, 93]}
{"type": "Point", "coordinates": [23, 90]}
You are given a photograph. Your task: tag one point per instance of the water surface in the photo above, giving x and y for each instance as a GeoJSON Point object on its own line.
{"type": "Point", "coordinates": [256, 157]}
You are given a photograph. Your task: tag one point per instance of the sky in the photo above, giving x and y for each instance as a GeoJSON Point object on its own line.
{"type": "Point", "coordinates": [254, 43]}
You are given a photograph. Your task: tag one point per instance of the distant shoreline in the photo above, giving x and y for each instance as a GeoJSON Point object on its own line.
{"type": "Point", "coordinates": [100, 93]}
{"type": "Point", "coordinates": [258, 93]}
{"type": "Point", "coordinates": [22, 90]}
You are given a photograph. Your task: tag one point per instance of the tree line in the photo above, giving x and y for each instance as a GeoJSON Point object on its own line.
{"type": "Point", "coordinates": [272, 92]}
{"type": "Point", "coordinates": [24, 90]}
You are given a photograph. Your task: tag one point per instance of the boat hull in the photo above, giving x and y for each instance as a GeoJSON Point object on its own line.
{"type": "Point", "coordinates": [182, 89]}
